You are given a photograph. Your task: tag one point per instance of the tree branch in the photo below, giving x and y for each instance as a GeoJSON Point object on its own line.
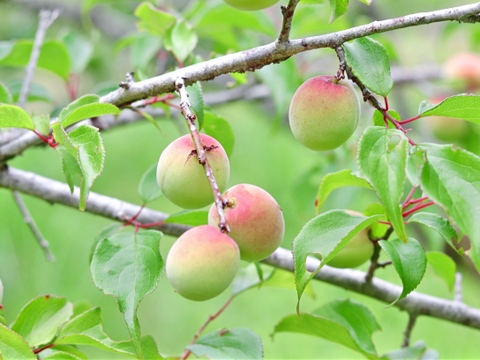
{"type": "Point", "coordinates": [415, 303]}
{"type": "Point", "coordinates": [256, 58]}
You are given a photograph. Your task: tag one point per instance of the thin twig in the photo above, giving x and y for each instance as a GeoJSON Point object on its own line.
{"type": "Point", "coordinates": [458, 297]}
{"type": "Point", "coordinates": [408, 330]}
{"type": "Point", "coordinates": [46, 18]}
{"type": "Point", "coordinates": [374, 264]}
{"type": "Point", "coordinates": [287, 12]}
{"type": "Point", "coordinates": [187, 352]}
{"type": "Point", "coordinates": [27, 218]}
{"type": "Point", "coordinates": [201, 153]}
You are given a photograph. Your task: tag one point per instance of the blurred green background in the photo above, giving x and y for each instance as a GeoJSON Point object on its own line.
{"type": "Point", "coordinates": [265, 154]}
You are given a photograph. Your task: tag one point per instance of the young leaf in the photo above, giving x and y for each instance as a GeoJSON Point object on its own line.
{"type": "Point", "coordinates": [189, 217]}
{"type": "Point", "coordinates": [325, 235]}
{"type": "Point", "coordinates": [337, 9]}
{"type": "Point", "coordinates": [249, 277]}
{"type": "Point", "coordinates": [443, 266]}
{"type": "Point", "coordinates": [220, 129]}
{"type": "Point", "coordinates": [344, 322]}
{"type": "Point", "coordinates": [195, 95]}
{"type": "Point", "coordinates": [148, 186]}
{"type": "Point", "coordinates": [39, 320]}
{"type": "Point", "coordinates": [440, 225]}
{"type": "Point", "coordinates": [409, 261]}
{"type": "Point", "coordinates": [180, 39]}
{"type": "Point", "coordinates": [237, 343]}
{"type": "Point", "coordinates": [5, 96]}
{"type": "Point", "coordinates": [13, 346]}
{"type": "Point", "coordinates": [152, 20]}
{"type": "Point", "coordinates": [84, 108]}
{"type": "Point", "coordinates": [378, 120]}
{"type": "Point", "coordinates": [42, 123]}
{"type": "Point", "coordinates": [334, 181]}
{"type": "Point", "coordinates": [369, 62]}
{"type": "Point", "coordinates": [451, 178]}
{"type": "Point", "coordinates": [466, 107]}
{"type": "Point", "coordinates": [14, 116]}
{"type": "Point", "coordinates": [128, 266]}
{"type": "Point", "coordinates": [382, 158]}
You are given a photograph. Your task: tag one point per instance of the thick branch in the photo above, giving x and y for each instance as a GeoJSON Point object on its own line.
{"type": "Point", "coordinates": [256, 58]}
{"type": "Point", "coordinates": [353, 280]}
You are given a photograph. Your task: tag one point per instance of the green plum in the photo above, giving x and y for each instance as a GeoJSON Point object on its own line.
{"type": "Point", "coordinates": [324, 113]}
{"type": "Point", "coordinates": [202, 263]}
{"type": "Point", "coordinates": [181, 177]}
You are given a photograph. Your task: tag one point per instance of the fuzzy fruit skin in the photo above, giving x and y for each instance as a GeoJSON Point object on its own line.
{"type": "Point", "coordinates": [249, 5]}
{"type": "Point", "coordinates": [323, 114]}
{"type": "Point", "coordinates": [202, 263]}
{"type": "Point", "coordinates": [356, 252]}
{"type": "Point", "coordinates": [182, 179]}
{"type": "Point", "coordinates": [464, 67]}
{"type": "Point", "coordinates": [256, 221]}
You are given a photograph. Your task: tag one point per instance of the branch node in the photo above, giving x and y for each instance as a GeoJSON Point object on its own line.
{"type": "Point", "coordinates": [129, 80]}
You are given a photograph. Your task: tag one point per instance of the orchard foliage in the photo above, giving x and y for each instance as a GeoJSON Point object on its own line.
{"type": "Point", "coordinates": [419, 169]}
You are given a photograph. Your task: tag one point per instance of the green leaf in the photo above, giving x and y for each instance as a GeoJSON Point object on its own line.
{"type": "Point", "coordinates": [220, 129]}
{"type": "Point", "coordinates": [62, 355]}
{"type": "Point", "coordinates": [324, 235]}
{"type": "Point", "coordinates": [382, 158]}
{"type": "Point", "coordinates": [148, 186]}
{"type": "Point", "coordinates": [443, 266]}
{"type": "Point", "coordinates": [195, 95]}
{"type": "Point", "coordinates": [153, 20]}
{"type": "Point", "coordinates": [145, 47]}
{"type": "Point", "coordinates": [83, 108]}
{"type": "Point", "coordinates": [39, 320]}
{"type": "Point", "coordinates": [69, 349]}
{"type": "Point", "coordinates": [344, 322]}
{"type": "Point", "coordinates": [237, 343]}
{"type": "Point", "coordinates": [42, 123]}
{"type": "Point", "coordinates": [409, 261]}
{"type": "Point", "coordinates": [189, 217]}
{"type": "Point", "coordinates": [440, 225]}
{"type": "Point", "coordinates": [36, 92]}
{"type": "Point", "coordinates": [337, 9]}
{"type": "Point", "coordinates": [466, 107]}
{"type": "Point", "coordinates": [377, 118]}
{"type": "Point", "coordinates": [79, 49]}
{"type": "Point", "coordinates": [181, 39]}
{"type": "Point", "coordinates": [418, 351]}
{"type": "Point", "coordinates": [451, 178]}
{"type": "Point", "coordinates": [368, 60]}
{"type": "Point", "coordinates": [249, 277]}
{"type": "Point", "coordinates": [15, 116]}
{"type": "Point", "coordinates": [128, 266]}
{"type": "Point", "coordinates": [333, 181]}
{"type": "Point", "coordinates": [13, 346]}
{"type": "Point", "coordinates": [5, 96]}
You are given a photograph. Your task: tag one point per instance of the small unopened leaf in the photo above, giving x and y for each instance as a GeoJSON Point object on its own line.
{"type": "Point", "coordinates": [409, 261]}
{"type": "Point", "coordinates": [15, 116]}
{"type": "Point", "coordinates": [189, 217]}
{"type": "Point", "coordinates": [443, 266]}
{"type": "Point", "coordinates": [39, 320]}
{"type": "Point", "coordinates": [128, 266]}
{"type": "Point", "coordinates": [324, 235]}
{"type": "Point", "coordinates": [181, 39]}
{"type": "Point", "coordinates": [237, 343]}
{"type": "Point", "coordinates": [440, 225]}
{"type": "Point", "coordinates": [13, 346]}
{"type": "Point", "coordinates": [382, 157]}
{"type": "Point", "coordinates": [333, 181]}
{"type": "Point", "coordinates": [451, 178]}
{"type": "Point", "coordinates": [337, 9]}
{"type": "Point", "coordinates": [220, 129]}
{"type": "Point", "coordinates": [344, 322]}
{"type": "Point", "coordinates": [369, 61]}
{"type": "Point", "coordinates": [195, 95]}
{"type": "Point", "coordinates": [466, 107]}
{"type": "Point", "coordinates": [148, 186]}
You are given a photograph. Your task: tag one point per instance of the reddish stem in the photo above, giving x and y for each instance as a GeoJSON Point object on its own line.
{"type": "Point", "coordinates": [409, 197]}
{"type": "Point", "coordinates": [418, 207]}
{"type": "Point", "coordinates": [49, 140]}
{"type": "Point", "coordinates": [39, 350]}
{"type": "Point", "coordinates": [187, 353]}
{"type": "Point", "coordinates": [409, 120]}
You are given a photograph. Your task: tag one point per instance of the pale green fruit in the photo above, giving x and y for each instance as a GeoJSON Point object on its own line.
{"type": "Point", "coordinates": [324, 114]}
{"type": "Point", "coordinates": [249, 5]}
{"type": "Point", "coordinates": [202, 263]}
{"type": "Point", "coordinates": [447, 129]}
{"type": "Point", "coordinates": [255, 220]}
{"type": "Point", "coordinates": [181, 177]}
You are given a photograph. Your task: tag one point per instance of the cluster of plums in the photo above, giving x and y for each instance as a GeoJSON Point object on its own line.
{"type": "Point", "coordinates": [203, 261]}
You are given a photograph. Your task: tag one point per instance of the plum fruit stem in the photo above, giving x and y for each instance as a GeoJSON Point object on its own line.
{"type": "Point", "coordinates": [201, 152]}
